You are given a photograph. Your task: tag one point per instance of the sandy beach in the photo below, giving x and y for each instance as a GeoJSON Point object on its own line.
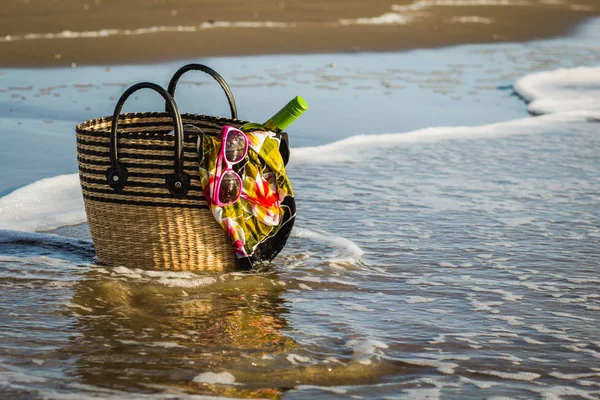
{"type": "Point", "coordinates": [111, 32]}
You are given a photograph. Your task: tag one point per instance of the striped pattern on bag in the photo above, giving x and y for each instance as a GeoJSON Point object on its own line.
{"type": "Point", "coordinates": [145, 226]}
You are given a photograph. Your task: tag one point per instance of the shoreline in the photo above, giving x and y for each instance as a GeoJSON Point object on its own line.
{"type": "Point", "coordinates": [70, 34]}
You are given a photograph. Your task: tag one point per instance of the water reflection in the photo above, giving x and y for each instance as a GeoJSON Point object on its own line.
{"type": "Point", "coordinates": [139, 334]}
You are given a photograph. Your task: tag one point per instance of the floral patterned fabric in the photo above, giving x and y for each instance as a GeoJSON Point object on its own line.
{"type": "Point", "coordinates": [259, 223]}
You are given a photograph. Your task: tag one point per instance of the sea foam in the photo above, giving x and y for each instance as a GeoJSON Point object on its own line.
{"type": "Point", "coordinates": [348, 247]}
{"type": "Point", "coordinates": [182, 279]}
{"type": "Point", "coordinates": [365, 349]}
{"type": "Point", "coordinates": [223, 378]}
{"type": "Point", "coordinates": [390, 18]}
{"type": "Point", "coordinates": [519, 376]}
{"type": "Point", "coordinates": [562, 90]}
{"type": "Point", "coordinates": [359, 148]}
{"type": "Point", "coordinates": [46, 204]}
{"type": "Point", "coordinates": [102, 33]}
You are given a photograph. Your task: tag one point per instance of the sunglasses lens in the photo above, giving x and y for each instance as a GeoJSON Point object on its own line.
{"type": "Point", "coordinates": [235, 146]}
{"type": "Point", "coordinates": [230, 189]}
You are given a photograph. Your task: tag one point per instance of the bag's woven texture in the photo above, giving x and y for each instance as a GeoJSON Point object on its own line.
{"type": "Point", "coordinates": [145, 226]}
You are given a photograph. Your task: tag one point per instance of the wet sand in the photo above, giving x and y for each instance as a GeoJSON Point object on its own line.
{"type": "Point", "coordinates": [109, 32]}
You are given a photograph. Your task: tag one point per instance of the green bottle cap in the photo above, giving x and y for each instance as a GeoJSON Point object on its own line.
{"type": "Point", "coordinates": [289, 113]}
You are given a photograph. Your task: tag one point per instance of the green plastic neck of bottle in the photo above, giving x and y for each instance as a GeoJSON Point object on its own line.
{"type": "Point", "coordinates": [288, 114]}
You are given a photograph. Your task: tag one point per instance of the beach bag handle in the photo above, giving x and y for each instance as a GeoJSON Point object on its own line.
{"type": "Point", "coordinates": [211, 72]}
{"type": "Point", "coordinates": [116, 175]}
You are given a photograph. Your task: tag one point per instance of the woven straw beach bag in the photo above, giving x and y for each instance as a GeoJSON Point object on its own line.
{"type": "Point", "coordinates": [141, 187]}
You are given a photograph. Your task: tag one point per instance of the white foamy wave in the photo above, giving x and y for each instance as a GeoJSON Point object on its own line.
{"type": "Point", "coordinates": [418, 300]}
{"type": "Point", "coordinates": [567, 315]}
{"type": "Point", "coordinates": [559, 392]}
{"type": "Point", "coordinates": [348, 247]}
{"type": "Point", "coordinates": [444, 367]}
{"type": "Point", "coordinates": [479, 384]}
{"type": "Point", "coordinates": [532, 341]}
{"type": "Point", "coordinates": [361, 147]}
{"type": "Point", "coordinates": [223, 378]}
{"type": "Point", "coordinates": [471, 19]}
{"type": "Point", "coordinates": [390, 18]}
{"type": "Point", "coordinates": [404, 14]}
{"type": "Point", "coordinates": [304, 286]}
{"type": "Point", "coordinates": [563, 90]}
{"type": "Point", "coordinates": [518, 376]}
{"type": "Point", "coordinates": [46, 204]}
{"type": "Point", "coordinates": [572, 377]}
{"type": "Point", "coordinates": [424, 4]}
{"type": "Point", "coordinates": [102, 33]}
{"type": "Point", "coordinates": [365, 350]}
{"type": "Point", "coordinates": [166, 345]}
{"type": "Point", "coordinates": [296, 358]}
{"type": "Point", "coordinates": [356, 307]}
{"type": "Point", "coordinates": [168, 278]}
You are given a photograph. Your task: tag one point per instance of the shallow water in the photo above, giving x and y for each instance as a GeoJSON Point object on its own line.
{"type": "Point", "coordinates": [442, 262]}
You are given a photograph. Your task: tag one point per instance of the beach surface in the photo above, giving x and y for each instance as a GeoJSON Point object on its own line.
{"type": "Point", "coordinates": [111, 32]}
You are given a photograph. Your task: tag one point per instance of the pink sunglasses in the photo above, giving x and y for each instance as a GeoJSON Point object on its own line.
{"type": "Point", "coordinates": [228, 184]}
